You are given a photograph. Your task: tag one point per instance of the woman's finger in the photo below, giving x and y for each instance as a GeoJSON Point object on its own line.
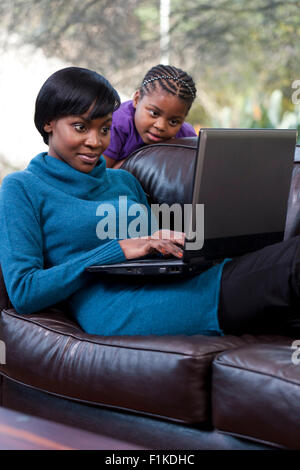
{"type": "Point", "coordinates": [167, 248]}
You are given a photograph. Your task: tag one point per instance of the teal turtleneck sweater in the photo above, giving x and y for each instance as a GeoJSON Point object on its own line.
{"type": "Point", "coordinates": [49, 216]}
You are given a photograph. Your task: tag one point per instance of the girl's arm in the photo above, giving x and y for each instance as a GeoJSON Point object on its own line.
{"type": "Point", "coordinates": [110, 162]}
{"type": "Point", "coordinates": [30, 286]}
{"type": "Point", "coordinates": [118, 163]}
{"type": "Point", "coordinates": [114, 152]}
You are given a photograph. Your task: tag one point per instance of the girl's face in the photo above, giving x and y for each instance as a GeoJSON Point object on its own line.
{"type": "Point", "coordinates": [78, 141]}
{"type": "Point", "coordinates": [158, 116]}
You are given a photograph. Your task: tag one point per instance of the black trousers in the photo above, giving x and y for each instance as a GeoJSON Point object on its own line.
{"type": "Point", "coordinates": [260, 291]}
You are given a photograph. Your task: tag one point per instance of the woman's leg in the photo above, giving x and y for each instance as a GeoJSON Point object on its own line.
{"type": "Point", "coordinates": [260, 291]}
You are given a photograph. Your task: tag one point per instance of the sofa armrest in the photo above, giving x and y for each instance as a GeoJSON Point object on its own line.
{"type": "Point", "coordinates": [263, 383]}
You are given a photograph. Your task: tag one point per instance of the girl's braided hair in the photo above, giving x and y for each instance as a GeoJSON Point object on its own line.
{"type": "Point", "coordinates": [170, 79]}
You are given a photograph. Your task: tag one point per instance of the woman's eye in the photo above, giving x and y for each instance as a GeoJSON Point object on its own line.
{"type": "Point", "coordinates": [79, 127]}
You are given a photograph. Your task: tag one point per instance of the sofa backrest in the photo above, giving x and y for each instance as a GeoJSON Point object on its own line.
{"type": "Point", "coordinates": [165, 170]}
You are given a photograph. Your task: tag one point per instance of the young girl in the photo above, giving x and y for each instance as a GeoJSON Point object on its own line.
{"type": "Point", "coordinates": [156, 113]}
{"type": "Point", "coordinates": [49, 216]}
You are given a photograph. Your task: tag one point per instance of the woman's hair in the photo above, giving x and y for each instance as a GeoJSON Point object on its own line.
{"type": "Point", "coordinates": [170, 79]}
{"type": "Point", "coordinates": [72, 91]}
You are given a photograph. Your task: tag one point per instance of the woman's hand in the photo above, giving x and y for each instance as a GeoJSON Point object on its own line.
{"type": "Point", "coordinates": [165, 242]}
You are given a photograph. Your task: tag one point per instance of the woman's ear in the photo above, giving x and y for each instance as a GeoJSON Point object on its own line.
{"type": "Point", "coordinates": [48, 127]}
{"type": "Point", "coordinates": [136, 98]}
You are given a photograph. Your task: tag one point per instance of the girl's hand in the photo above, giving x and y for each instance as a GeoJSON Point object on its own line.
{"type": "Point", "coordinates": [162, 241]}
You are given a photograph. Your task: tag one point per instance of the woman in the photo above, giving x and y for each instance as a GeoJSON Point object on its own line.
{"type": "Point", "coordinates": [50, 216]}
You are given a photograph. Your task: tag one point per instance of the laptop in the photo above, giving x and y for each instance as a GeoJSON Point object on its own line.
{"type": "Point", "coordinates": [240, 192]}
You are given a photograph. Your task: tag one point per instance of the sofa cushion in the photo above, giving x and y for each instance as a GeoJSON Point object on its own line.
{"type": "Point", "coordinates": [255, 393]}
{"type": "Point", "coordinates": [165, 376]}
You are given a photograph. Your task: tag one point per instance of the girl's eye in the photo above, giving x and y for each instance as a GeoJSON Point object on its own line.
{"type": "Point", "coordinates": [153, 113]}
{"type": "Point", "coordinates": [79, 127]}
{"type": "Point", "coordinates": [174, 122]}
{"type": "Point", "coordinates": [105, 130]}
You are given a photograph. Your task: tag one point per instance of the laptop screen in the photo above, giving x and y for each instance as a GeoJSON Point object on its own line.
{"type": "Point", "coordinates": [242, 180]}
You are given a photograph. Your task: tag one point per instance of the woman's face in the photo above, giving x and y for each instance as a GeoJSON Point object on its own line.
{"type": "Point", "coordinates": [78, 141]}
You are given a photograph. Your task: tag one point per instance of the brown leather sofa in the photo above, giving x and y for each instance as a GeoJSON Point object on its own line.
{"type": "Point", "coordinates": [158, 392]}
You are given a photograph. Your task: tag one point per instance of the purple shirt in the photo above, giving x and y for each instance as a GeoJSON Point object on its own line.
{"type": "Point", "coordinates": [124, 138]}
